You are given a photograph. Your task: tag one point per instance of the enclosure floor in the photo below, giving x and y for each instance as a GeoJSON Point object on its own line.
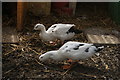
{"type": "Point", "coordinates": [21, 61]}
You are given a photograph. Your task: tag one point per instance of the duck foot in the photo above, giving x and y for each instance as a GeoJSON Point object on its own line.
{"type": "Point", "coordinates": [67, 66]}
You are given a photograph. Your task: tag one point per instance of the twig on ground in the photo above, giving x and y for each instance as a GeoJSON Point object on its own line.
{"type": "Point", "coordinates": [103, 22]}
{"type": "Point", "coordinates": [93, 60]}
{"type": "Point", "coordinates": [34, 51]}
{"type": "Point", "coordinates": [10, 52]}
{"type": "Point", "coordinates": [42, 65]}
{"type": "Point", "coordinates": [66, 71]}
{"type": "Point", "coordinates": [106, 66]}
{"type": "Point", "coordinates": [39, 63]}
{"type": "Point", "coordinates": [8, 71]}
{"type": "Point", "coordinates": [88, 75]}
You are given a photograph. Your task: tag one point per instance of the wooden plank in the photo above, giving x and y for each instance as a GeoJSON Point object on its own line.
{"type": "Point", "coordinates": [106, 39]}
{"type": "Point", "coordinates": [35, 7]}
{"type": "Point", "coordinates": [97, 38]}
{"type": "Point", "coordinates": [91, 38]}
{"type": "Point", "coordinates": [39, 8]}
{"type": "Point", "coordinates": [101, 36]}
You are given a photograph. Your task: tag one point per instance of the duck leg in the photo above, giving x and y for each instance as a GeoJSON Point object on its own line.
{"type": "Point", "coordinates": [59, 42]}
{"type": "Point", "coordinates": [68, 66]}
{"type": "Point", "coordinates": [52, 43]}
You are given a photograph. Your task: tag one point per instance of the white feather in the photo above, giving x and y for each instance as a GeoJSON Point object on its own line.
{"type": "Point", "coordinates": [73, 50]}
{"type": "Point", "coordinates": [56, 31]}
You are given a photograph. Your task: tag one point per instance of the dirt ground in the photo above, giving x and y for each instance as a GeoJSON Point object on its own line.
{"type": "Point", "coordinates": [21, 60]}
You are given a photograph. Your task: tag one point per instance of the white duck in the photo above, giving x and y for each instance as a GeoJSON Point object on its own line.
{"type": "Point", "coordinates": [57, 31]}
{"type": "Point", "coordinates": [72, 50]}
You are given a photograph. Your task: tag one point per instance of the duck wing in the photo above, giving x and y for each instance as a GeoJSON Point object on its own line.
{"type": "Point", "coordinates": [71, 48]}
{"type": "Point", "coordinates": [76, 50]}
{"type": "Point", "coordinates": [50, 30]}
{"type": "Point", "coordinates": [61, 30]}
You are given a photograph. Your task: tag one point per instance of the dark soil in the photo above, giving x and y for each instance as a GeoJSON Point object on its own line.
{"type": "Point", "coordinates": [21, 60]}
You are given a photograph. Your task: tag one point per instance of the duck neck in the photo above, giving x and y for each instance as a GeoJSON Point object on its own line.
{"type": "Point", "coordinates": [43, 30]}
{"type": "Point", "coordinates": [56, 56]}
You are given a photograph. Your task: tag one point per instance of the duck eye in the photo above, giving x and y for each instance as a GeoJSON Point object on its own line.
{"type": "Point", "coordinates": [41, 57]}
{"type": "Point", "coordinates": [36, 26]}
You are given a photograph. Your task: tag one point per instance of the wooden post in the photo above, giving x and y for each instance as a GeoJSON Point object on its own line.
{"type": "Point", "coordinates": [20, 10]}
{"type": "Point", "coordinates": [73, 5]}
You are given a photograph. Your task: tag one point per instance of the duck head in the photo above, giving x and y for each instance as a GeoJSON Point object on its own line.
{"type": "Point", "coordinates": [39, 27]}
{"type": "Point", "coordinates": [47, 55]}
